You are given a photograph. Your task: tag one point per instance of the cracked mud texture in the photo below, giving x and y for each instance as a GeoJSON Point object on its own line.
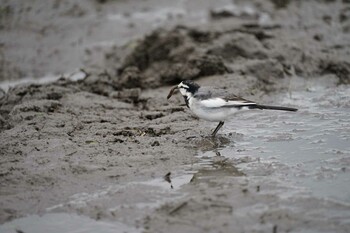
{"type": "Point", "coordinates": [115, 126]}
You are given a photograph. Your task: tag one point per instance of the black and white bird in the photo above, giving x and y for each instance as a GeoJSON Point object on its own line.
{"type": "Point", "coordinates": [214, 104]}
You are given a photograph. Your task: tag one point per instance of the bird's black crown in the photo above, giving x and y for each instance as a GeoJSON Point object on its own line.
{"type": "Point", "coordinates": [192, 86]}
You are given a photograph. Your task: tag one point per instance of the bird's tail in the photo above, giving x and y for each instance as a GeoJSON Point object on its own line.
{"type": "Point", "coordinates": [258, 106]}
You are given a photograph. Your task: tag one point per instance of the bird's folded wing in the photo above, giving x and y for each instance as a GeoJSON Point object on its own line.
{"type": "Point", "coordinates": [220, 102]}
{"type": "Point", "coordinates": [215, 98]}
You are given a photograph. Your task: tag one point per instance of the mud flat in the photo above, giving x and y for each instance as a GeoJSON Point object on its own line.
{"type": "Point", "coordinates": [108, 151]}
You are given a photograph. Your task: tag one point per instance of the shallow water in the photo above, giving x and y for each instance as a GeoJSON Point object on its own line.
{"type": "Point", "coordinates": [310, 148]}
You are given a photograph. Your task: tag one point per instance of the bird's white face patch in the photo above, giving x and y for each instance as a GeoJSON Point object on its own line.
{"type": "Point", "coordinates": [183, 89]}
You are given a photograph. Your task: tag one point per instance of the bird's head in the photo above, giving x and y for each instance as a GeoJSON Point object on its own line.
{"type": "Point", "coordinates": [187, 88]}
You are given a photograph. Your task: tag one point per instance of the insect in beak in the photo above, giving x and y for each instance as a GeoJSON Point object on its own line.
{"type": "Point", "coordinates": [172, 91]}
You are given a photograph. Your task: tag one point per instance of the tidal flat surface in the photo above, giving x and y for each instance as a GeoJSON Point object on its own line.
{"type": "Point", "coordinates": [95, 143]}
{"type": "Point", "coordinates": [264, 164]}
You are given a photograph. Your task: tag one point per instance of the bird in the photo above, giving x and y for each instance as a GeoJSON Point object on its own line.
{"type": "Point", "coordinates": [216, 105]}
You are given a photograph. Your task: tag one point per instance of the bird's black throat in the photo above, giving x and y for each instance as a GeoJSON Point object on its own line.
{"type": "Point", "coordinates": [186, 101]}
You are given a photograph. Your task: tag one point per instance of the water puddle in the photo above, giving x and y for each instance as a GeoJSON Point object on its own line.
{"type": "Point", "coordinates": [309, 148]}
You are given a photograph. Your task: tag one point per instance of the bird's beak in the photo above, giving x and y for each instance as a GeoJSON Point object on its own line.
{"type": "Point", "coordinates": [172, 92]}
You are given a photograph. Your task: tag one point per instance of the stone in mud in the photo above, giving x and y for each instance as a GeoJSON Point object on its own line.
{"type": "Point", "coordinates": [318, 37]}
{"type": "Point", "coordinates": [155, 143]}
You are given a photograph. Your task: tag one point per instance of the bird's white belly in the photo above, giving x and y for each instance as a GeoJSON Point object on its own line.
{"type": "Point", "coordinates": [212, 114]}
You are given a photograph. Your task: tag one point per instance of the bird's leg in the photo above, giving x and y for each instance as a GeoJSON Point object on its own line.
{"type": "Point", "coordinates": [221, 123]}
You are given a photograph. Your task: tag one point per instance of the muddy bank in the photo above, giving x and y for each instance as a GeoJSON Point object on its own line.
{"type": "Point", "coordinates": [101, 146]}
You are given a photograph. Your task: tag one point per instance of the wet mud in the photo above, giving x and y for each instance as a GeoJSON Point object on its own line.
{"type": "Point", "coordinates": [102, 144]}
